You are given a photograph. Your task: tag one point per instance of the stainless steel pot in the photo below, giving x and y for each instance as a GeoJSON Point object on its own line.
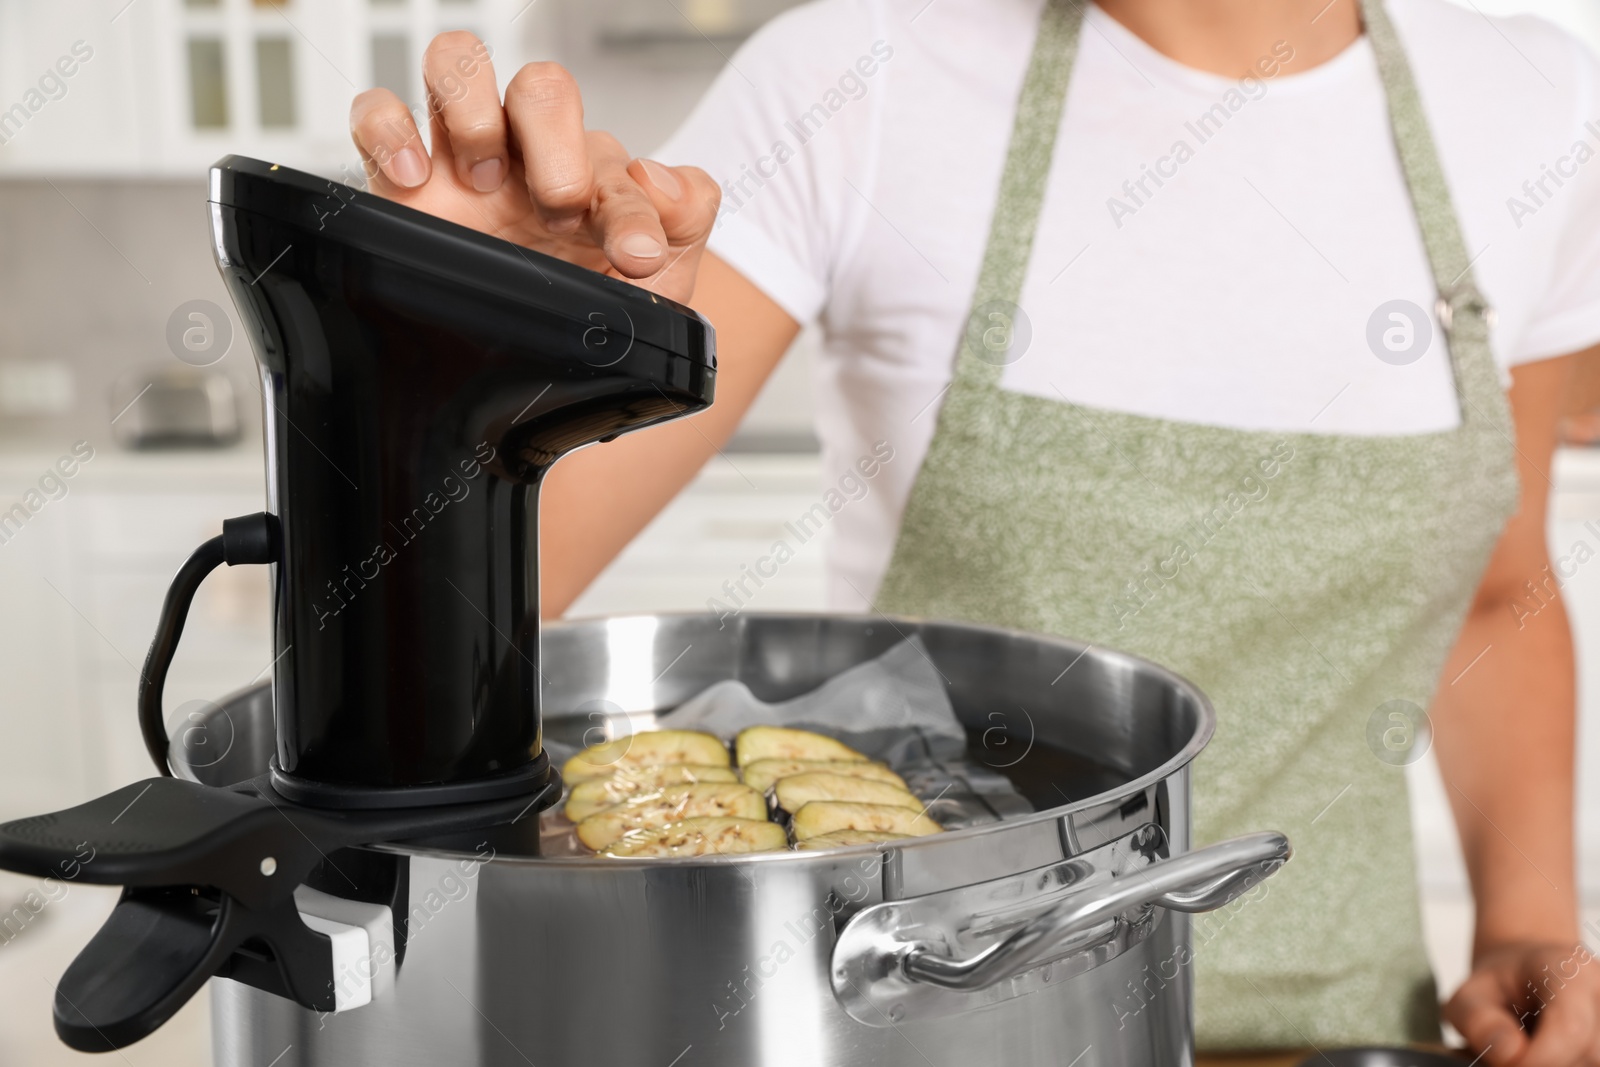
{"type": "Point", "coordinates": [1056, 938]}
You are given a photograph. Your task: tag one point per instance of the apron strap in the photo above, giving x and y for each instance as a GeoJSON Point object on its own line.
{"type": "Point", "coordinates": [987, 338]}
{"type": "Point", "coordinates": [1462, 311]}
{"type": "Point", "coordinates": [986, 342]}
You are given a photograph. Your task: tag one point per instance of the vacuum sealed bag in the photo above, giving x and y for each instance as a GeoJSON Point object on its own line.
{"type": "Point", "coordinates": [893, 710]}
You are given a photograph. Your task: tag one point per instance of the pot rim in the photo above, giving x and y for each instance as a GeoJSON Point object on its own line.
{"type": "Point", "coordinates": [1182, 758]}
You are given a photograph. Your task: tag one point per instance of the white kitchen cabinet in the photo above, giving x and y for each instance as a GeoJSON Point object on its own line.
{"type": "Point", "coordinates": [227, 640]}
{"type": "Point", "coordinates": [82, 582]}
{"type": "Point", "coordinates": [715, 533]}
{"type": "Point", "coordinates": [1576, 518]}
{"type": "Point", "coordinates": [42, 731]}
{"type": "Point", "coordinates": [168, 86]}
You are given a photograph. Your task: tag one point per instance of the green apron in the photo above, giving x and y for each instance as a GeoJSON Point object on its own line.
{"type": "Point", "coordinates": [1306, 582]}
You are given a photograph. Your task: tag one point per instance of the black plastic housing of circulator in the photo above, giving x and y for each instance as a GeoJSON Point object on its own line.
{"type": "Point", "coordinates": [418, 379]}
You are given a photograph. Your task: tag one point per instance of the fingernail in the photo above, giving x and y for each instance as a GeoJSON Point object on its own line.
{"type": "Point", "coordinates": [406, 167]}
{"type": "Point", "coordinates": [640, 246]}
{"type": "Point", "coordinates": [662, 179]}
{"type": "Point", "coordinates": [486, 175]}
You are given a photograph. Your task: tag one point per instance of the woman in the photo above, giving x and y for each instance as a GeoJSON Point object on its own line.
{"type": "Point", "coordinates": [1225, 391]}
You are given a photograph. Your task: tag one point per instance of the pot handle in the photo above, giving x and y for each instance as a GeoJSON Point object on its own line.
{"type": "Point", "coordinates": [961, 949]}
{"type": "Point", "coordinates": [1203, 880]}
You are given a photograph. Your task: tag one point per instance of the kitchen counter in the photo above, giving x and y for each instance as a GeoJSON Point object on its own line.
{"type": "Point", "coordinates": [115, 469]}
{"type": "Point", "coordinates": [1576, 474]}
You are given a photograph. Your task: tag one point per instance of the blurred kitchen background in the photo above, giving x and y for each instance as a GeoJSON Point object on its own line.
{"type": "Point", "coordinates": [103, 244]}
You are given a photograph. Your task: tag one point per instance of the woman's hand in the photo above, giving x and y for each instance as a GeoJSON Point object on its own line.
{"type": "Point", "coordinates": [526, 170]}
{"type": "Point", "coordinates": [1531, 1005]}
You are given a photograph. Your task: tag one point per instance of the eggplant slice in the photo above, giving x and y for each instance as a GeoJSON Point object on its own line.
{"type": "Point", "coordinates": [763, 774]}
{"type": "Point", "coordinates": [798, 790]}
{"type": "Point", "coordinates": [672, 804]}
{"type": "Point", "coordinates": [846, 838]}
{"type": "Point", "coordinates": [781, 742]}
{"type": "Point", "coordinates": [598, 794]}
{"type": "Point", "coordinates": [645, 750]}
{"type": "Point", "coordinates": [827, 816]}
{"type": "Point", "coordinates": [705, 836]}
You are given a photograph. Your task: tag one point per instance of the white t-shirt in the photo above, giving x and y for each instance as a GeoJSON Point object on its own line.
{"type": "Point", "coordinates": [860, 143]}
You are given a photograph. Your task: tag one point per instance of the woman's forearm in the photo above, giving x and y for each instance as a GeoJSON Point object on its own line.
{"type": "Point", "coordinates": [594, 501]}
{"type": "Point", "coordinates": [1504, 715]}
{"type": "Point", "coordinates": [1504, 728]}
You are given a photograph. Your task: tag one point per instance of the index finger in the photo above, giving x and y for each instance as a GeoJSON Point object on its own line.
{"type": "Point", "coordinates": [386, 136]}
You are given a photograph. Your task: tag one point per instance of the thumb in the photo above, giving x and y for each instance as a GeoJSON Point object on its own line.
{"type": "Point", "coordinates": [1481, 1011]}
